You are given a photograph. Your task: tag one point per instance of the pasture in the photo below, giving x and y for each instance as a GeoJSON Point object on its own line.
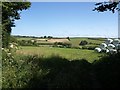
{"type": "Point", "coordinates": [91, 41]}
{"type": "Point", "coordinates": [73, 40]}
{"type": "Point", "coordinates": [46, 65]}
{"type": "Point", "coordinates": [45, 48]}
{"type": "Point", "coordinates": [68, 53]}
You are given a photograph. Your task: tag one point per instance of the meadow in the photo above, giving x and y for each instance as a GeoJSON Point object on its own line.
{"type": "Point", "coordinates": [68, 53]}
{"type": "Point", "coordinates": [73, 40]}
{"type": "Point", "coordinates": [91, 41]}
{"type": "Point", "coordinates": [48, 67]}
{"type": "Point", "coordinates": [73, 53]}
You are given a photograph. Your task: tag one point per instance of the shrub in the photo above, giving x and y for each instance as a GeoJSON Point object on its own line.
{"type": "Point", "coordinates": [84, 47]}
{"type": "Point", "coordinates": [62, 44]}
{"type": "Point", "coordinates": [27, 43]}
{"type": "Point", "coordinates": [91, 47]}
{"type": "Point", "coordinates": [57, 72]}
{"type": "Point", "coordinates": [107, 71]}
{"type": "Point", "coordinates": [68, 38]}
{"type": "Point", "coordinates": [50, 37]}
{"type": "Point", "coordinates": [84, 42]}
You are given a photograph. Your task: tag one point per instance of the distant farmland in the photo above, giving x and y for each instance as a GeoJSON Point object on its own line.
{"type": "Point", "coordinates": [74, 41]}
{"type": "Point", "coordinates": [45, 48]}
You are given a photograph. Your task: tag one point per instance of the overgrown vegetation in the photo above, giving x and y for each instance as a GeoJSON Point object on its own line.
{"type": "Point", "coordinates": [84, 42]}
{"type": "Point", "coordinates": [62, 44]}
{"type": "Point", "coordinates": [57, 72]}
{"type": "Point", "coordinates": [10, 12]}
{"type": "Point", "coordinates": [53, 72]}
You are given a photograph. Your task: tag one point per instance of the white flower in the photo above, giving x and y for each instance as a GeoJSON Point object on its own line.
{"type": "Point", "coordinates": [9, 54]}
{"type": "Point", "coordinates": [2, 48]}
{"type": "Point", "coordinates": [11, 46]}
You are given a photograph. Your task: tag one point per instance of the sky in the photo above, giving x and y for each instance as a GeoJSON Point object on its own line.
{"type": "Point", "coordinates": [63, 19]}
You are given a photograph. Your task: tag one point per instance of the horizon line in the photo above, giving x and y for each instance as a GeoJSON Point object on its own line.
{"type": "Point", "coordinates": [70, 36]}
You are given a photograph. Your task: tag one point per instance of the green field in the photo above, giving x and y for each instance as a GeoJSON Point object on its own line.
{"type": "Point", "coordinates": [74, 41]}
{"type": "Point", "coordinates": [68, 53]}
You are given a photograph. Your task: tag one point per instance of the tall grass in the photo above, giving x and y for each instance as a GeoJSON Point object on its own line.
{"type": "Point", "coordinates": [56, 72]}
{"type": "Point", "coordinates": [68, 53]}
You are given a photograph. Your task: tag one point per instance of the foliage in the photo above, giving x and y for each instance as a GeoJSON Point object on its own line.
{"type": "Point", "coordinates": [68, 38]}
{"type": "Point", "coordinates": [50, 37]}
{"type": "Point", "coordinates": [53, 72]}
{"type": "Point", "coordinates": [91, 47]}
{"type": "Point", "coordinates": [107, 71]}
{"type": "Point", "coordinates": [10, 13]}
{"type": "Point", "coordinates": [84, 47]}
{"type": "Point", "coordinates": [27, 43]}
{"type": "Point", "coordinates": [45, 36]}
{"type": "Point", "coordinates": [84, 42]}
{"type": "Point", "coordinates": [13, 39]}
{"type": "Point", "coordinates": [57, 72]}
{"type": "Point", "coordinates": [63, 44]}
{"type": "Point", "coordinates": [105, 6]}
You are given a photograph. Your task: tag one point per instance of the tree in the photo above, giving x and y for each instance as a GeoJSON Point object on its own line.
{"type": "Point", "coordinates": [45, 36]}
{"type": "Point", "coordinates": [84, 42]}
{"type": "Point", "coordinates": [50, 37]}
{"type": "Point", "coordinates": [11, 12]}
{"type": "Point", "coordinates": [105, 6]}
{"type": "Point", "coordinates": [68, 38]}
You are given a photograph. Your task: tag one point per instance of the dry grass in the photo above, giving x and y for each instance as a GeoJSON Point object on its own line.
{"type": "Point", "coordinates": [58, 40]}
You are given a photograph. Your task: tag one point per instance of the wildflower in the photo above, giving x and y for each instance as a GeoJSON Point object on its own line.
{"type": "Point", "coordinates": [8, 54]}
{"type": "Point", "coordinates": [2, 48]}
{"type": "Point", "coordinates": [11, 45]}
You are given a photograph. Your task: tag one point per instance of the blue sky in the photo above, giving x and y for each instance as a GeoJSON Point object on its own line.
{"type": "Point", "coordinates": [62, 19]}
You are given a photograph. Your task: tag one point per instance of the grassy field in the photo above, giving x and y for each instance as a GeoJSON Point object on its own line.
{"type": "Point", "coordinates": [74, 41]}
{"type": "Point", "coordinates": [68, 53]}
{"type": "Point", "coordinates": [59, 67]}
{"type": "Point", "coordinates": [22, 38]}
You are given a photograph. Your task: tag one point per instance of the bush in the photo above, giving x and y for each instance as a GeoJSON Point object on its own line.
{"type": "Point", "coordinates": [84, 47]}
{"type": "Point", "coordinates": [50, 37]}
{"type": "Point", "coordinates": [107, 71]}
{"type": "Point", "coordinates": [57, 72]}
{"type": "Point", "coordinates": [27, 43]}
{"type": "Point", "coordinates": [84, 42]}
{"type": "Point", "coordinates": [91, 47]}
{"type": "Point", "coordinates": [68, 38]}
{"type": "Point", "coordinates": [62, 44]}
